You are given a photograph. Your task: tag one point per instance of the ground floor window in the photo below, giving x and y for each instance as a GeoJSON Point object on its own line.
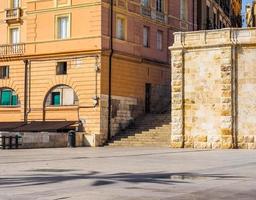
{"type": "Point", "coordinates": [61, 96]}
{"type": "Point", "coordinates": [8, 98]}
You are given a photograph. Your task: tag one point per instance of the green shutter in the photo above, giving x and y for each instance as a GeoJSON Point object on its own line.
{"type": "Point", "coordinates": [56, 98]}
{"type": "Point", "coordinates": [14, 100]}
{"type": "Point", "coordinates": [6, 97]}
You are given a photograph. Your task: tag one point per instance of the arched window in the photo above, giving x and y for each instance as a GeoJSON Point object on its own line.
{"type": "Point", "coordinates": [8, 97]}
{"type": "Point", "coordinates": [61, 96]}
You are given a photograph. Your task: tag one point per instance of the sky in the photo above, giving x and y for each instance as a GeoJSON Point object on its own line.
{"type": "Point", "coordinates": [244, 3]}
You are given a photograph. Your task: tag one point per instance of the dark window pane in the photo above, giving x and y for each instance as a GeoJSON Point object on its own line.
{"type": "Point", "coordinates": [56, 98]}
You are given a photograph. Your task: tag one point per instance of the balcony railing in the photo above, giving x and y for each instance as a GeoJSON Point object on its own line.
{"type": "Point", "coordinates": [12, 50]}
{"type": "Point", "coordinates": [13, 14]}
{"type": "Point", "coordinates": [159, 16]}
{"type": "Point", "coordinates": [146, 11]}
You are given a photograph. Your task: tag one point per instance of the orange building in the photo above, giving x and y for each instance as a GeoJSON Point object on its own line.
{"type": "Point", "coordinates": [60, 61]}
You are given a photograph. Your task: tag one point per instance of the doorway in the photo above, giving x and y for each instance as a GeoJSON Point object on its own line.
{"type": "Point", "coordinates": [148, 89]}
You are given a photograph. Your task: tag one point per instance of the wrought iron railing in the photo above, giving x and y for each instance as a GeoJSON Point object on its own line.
{"type": "Point", "coordinates": [12, 49]}
{"type": "Point", "coordinates": [146, 11]}
{"type": "Point", "coordinates": [159, 16]}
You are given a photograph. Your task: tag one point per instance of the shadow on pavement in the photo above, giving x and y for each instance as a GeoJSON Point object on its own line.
{"type": "Point", "coordinates": [99, 179]}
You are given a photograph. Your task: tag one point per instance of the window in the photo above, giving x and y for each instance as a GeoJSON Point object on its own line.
{"type": "Point", "coordinates": [159, 40]}
{"type": "Point", "coordinates": [8, 98]}
{"type": "Point", "coordinates": [4, 72]}
{"type": "Point", "coordinates": [14, 35]}
{"type": "Point", "coordinates": [61, 3]}
{"type": "Point", "coordinates": [62, 96]}
{"type": "Point", "coordinates": [208, 17]}
{"type": "Point", "coordinates": [145, 3]}
{"type": "Point", "coordinates": [160, 5]}
{"type": "Point", "coordinates": [63, 27]}
{"type": "Point", "coordinates": [146, 37]}
{"type": "Point", "coordinates": [61, 68]}
{"type": "Point", "coordinates": [183, 10]}
{"type": "Point", "coordinates": [55, 99]}
{"type": "Point", "coordinates": [120, 28]}
{"type": "Point", "coordinates": [214, 20]}
{"type": "Point", "coordinates": [15, 3]}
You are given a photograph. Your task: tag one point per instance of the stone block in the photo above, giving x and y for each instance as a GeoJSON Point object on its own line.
{"type": "Point", "coordinates": [200, 145]}
{"type": "Point", "coordinates": [176, 145]}
{"type": "Point", "coordinates": [249, 139]}
{"type": "Point", "coordinates": [200, 138]}
{"type": "Point", "coordinates": [188, 145]}
{"type": "Point", "coordinates": [216, 145]}
{"type": "Point", "coordinates": [226, 131]}
{"type": "Point", "coordinates": [251, 146]}
{"type": "Point", "coordinates": [243, 145]}
{"type": "Point", "coordinates": [226, 145]}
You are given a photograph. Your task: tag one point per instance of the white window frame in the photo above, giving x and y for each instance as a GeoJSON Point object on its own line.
{"type": "Point", "coordinates": [11, 36]}
{"type": "Point", "coordinates": [184, 10]}
{"type": "Point", "coordinates": [57, 31]}
{"type": "Point", "coordinates": [159, 40]}
{"type": "Point", "coordinates": [118, 35]}
{"type": "Point", "coordinates": [62, 5]}
{"type": "Point", "coordinates": [146, 36]}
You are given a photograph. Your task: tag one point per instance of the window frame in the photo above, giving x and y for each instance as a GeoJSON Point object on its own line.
{"type": "Point", "coordinates": [62, 5]}
{"type": "Point", "coordinates": [58, 71]}
{"type": "Point", "coordinates": [160, 8]}
{"type": "Point", "coordinates": [57, 17]}
{"type": "Point", "coordinates": [10, 34]}
{"type": "Point", "coordinates": [148, 36]}
{"type": "Point", "coordinates": [12, 95]}
{"type": "Point", "coordinates": [158, 33]}
{"type": "Point", "coordinates": [2, 69]}
{"type": "Point", "coordinates": [184, 10]}
{"type": "Point", "coordinates": [123, 18]}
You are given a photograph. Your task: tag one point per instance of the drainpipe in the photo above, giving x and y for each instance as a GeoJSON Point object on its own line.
{"type": "Point", "coordinates": [26, 62]}
{"type": "Point", "coordinates": [234, 87]}
{"type": "Point", "coordinates": [183, 87]}
{"type": "Point", "coordinates": [110, 70]}
{"type": "Point", "coordinates": [193, 15]}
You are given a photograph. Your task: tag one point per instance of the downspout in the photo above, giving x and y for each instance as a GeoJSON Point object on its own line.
{"type": "Point", "coordinates": [110, 70]}
{"type": "Point", "coordinates": [234, 89]}
{"type": "Point", "coordinates": [193, 15]}
{"type": "Point", "coordinates": [183, 87]}
{"type": "Point", "coordinates": [26, 62]}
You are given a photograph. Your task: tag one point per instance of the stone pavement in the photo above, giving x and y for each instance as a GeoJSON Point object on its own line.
{"type": "Point", "coordinates": [127, 174]}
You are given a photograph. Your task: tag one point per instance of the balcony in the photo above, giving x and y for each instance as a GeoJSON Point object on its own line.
{"type": "Point", "coordinates": [159, 16]}
{"type": "Point", "coordinates": [13, 15]}
{"type": "Point", "coordinates": [146, 11]}
{"type": "Point", "coordinates": [11, 50]}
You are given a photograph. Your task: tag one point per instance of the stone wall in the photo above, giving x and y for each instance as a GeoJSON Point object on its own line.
{"type": "Point", "coordinates": [124, 111]}
{"type": "Point", "coordinates": [30, 140]}
{"type": "Point", "coordinates": [213, 89]}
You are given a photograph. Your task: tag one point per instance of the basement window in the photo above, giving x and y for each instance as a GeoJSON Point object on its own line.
{"type": "Point", "coordinates": [61, 68]}
{"type": "Point", "coordinates": [4, 72]}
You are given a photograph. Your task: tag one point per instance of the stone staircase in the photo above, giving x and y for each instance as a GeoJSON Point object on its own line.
{"type": "Point", "coordinates": [152, 130]}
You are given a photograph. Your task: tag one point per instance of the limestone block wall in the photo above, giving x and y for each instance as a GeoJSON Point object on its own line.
{"type": "Point", "coordinates": [213, 89]}
{"type": "Point", "coordinates": [246, 91]}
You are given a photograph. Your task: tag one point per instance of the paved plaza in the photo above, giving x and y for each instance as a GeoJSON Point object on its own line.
{"type": "Point", "coordinates": [127, 174]}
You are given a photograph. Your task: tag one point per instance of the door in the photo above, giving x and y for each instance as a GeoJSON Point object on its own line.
{"type": "Point", "coordinates": [147, 97]}
{"type": "Point", "coordinates": [14, 36]}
